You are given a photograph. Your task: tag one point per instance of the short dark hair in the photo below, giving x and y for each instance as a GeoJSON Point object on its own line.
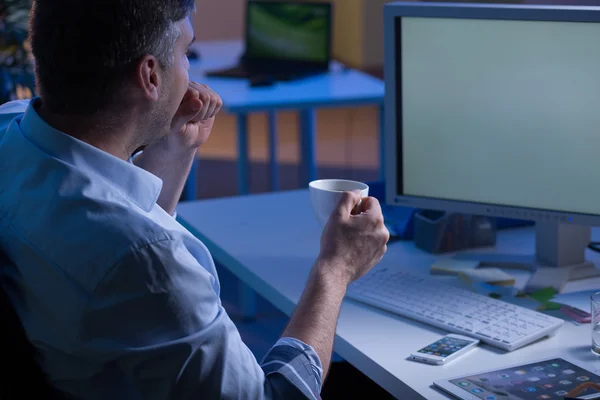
{"type": "Point", "coordinates": [85, 49]}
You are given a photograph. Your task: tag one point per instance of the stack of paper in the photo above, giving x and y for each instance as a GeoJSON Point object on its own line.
{"type": "Point", "coordinates": [578, 300]}
{"type": "Point", "coordinates": [469, 271]}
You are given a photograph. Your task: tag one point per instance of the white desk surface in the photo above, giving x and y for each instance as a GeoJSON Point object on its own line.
{"type": "Point", "coordinates": [339, 87]}
{"type": "Point", "coordinates": [270, 242]}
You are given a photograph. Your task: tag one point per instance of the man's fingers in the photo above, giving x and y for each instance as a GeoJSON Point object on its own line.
{"type": "Point", "coordinates": [211, 100]}
{"type": "Point", "coordinates": [370, 207]}
{"type": "Point", "coordinates": [204, 98]}
{"type": "Point", "coordinates": [214, 104]}
{"type": "Point", "coordinates": [211, 109]}
{"type": "Point", "coordinates": [219, 105]}
{"type": "Point", "coordinates": [198, 104]}
{"type": "Point", "coordinates": [190, 107]}
{"type": "Point", "coordinates": [347, 203]}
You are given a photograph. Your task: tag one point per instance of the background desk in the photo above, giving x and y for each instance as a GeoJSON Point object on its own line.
{"type": "Point", "coordinates": [340, 87]}
{"type": "Point", "coordinates": [270, 242]}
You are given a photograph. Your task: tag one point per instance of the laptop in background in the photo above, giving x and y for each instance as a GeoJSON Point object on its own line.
{"type": "Point", "coordinates": [284, 41]}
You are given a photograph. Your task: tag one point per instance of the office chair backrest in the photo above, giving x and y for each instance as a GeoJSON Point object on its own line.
{"type": "Point", "coordinates": [22, 377]}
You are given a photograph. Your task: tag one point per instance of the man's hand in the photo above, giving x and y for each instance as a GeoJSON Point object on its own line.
{"type": "Point", "coordinates": [353, 241]}
{"type": "Point", "coordinates": [172, 157]}
{"type": "Point", "coordinates": [351, 244]}
{"type": "Point", "coordinates": [195, 117]}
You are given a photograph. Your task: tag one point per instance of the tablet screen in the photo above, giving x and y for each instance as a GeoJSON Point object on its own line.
{"type": "Point", "coordinates": [551, 379]}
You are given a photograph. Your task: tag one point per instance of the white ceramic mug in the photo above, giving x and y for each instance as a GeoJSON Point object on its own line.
{"type": "Point", "coordinates": [325, 195]}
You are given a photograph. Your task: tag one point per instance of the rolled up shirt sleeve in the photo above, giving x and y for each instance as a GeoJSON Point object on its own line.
{"type": "Point", "coordinates": [298, 363]}
{"type": "Point", "coordinates": [157, 325]}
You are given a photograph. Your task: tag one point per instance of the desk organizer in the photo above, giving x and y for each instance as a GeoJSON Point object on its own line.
{"type": "Point", "coordinates": [441, 232]}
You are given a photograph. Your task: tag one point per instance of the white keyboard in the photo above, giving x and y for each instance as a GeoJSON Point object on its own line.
{"type": "Point", "coordinates": [453, 309]}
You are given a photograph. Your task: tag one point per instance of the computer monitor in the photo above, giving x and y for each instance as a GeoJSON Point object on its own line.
{"type": "Point", "coordinates": [494, 109]}
{"type": "Point", "coordinates": [290, 31]}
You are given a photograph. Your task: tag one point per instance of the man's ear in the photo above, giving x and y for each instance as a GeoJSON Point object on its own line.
{"type": "Point", "coordinates": [149, 77]}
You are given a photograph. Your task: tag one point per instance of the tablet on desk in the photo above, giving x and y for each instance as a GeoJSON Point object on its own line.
{"type": "Point", "coordinates": [548, 379]}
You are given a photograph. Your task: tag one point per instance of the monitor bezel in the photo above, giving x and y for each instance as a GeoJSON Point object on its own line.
{"type": "Point", "coordinates": [393, 14]}
{"type": "Point", "coordinates": [317, 64]}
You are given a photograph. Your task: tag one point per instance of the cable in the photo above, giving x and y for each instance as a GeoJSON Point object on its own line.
{"type": "Point", "coordinates": [594, 246]}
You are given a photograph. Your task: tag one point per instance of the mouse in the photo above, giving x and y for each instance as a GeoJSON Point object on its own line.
{"type": "Point", "coordinates": [193, 55]}
{"type": "Point", "coordinates": [261, 81]}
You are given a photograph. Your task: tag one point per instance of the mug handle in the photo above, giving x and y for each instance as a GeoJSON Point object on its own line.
{"type": "Point", "coordinates": [357, 207]}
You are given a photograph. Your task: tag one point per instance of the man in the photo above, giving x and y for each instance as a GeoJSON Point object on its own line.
{"type": "Point", "coordinates": [120, 300]}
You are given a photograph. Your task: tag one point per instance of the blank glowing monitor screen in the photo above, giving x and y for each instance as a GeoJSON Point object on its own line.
{"type": "Point", "coordinates": [497, 111]}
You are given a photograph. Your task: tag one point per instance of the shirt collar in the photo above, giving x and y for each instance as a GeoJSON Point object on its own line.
{"type": "Point", "coordinates": [137, 184]}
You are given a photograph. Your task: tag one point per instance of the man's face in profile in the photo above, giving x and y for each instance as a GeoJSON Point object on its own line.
{"type": "Point", "coordinates": [175, 82]}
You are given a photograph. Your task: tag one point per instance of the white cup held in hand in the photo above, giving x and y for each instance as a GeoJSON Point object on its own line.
{"type": "Point", "coordinates": [325, 195]}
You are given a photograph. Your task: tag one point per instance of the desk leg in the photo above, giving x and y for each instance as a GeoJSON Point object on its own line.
{"type": "Point", "coordinates": [242, 164]}
{"type": "Point", "coordinates": [381, 144]}
{"type": "Point", "coordinates": [273, 164]}
{"type": "Point", "coordinates": [189, 190]}
{"type": "Point", "coordinates": [247, 297]}
{"type": "Point", "coordinates": [308, 164]}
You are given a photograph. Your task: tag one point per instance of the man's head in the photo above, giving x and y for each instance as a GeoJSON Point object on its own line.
{"type": "Point", "coordinates": [112, 56]}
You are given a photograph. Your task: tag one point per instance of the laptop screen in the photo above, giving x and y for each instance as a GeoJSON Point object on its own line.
{"type": "Point", "coordinates": [288, 31]}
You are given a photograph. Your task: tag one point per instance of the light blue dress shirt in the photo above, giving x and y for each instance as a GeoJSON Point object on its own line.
{"type": "Point", "coordinates": [121, 301]}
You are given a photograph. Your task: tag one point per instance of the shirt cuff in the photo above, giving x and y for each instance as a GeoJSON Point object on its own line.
{"type": "Point", "coordinates": [298, 362]}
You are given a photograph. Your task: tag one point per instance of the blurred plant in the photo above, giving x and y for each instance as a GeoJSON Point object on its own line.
{"type": "Point", "coordinates": [17, 79]}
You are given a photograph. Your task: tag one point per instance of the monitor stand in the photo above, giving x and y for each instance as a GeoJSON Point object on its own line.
{"type": "Point", "coordinates": [559, 257]}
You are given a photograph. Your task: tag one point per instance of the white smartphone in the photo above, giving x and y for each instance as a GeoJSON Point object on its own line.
{"type": "Point", "coordinates": [444, 350]}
